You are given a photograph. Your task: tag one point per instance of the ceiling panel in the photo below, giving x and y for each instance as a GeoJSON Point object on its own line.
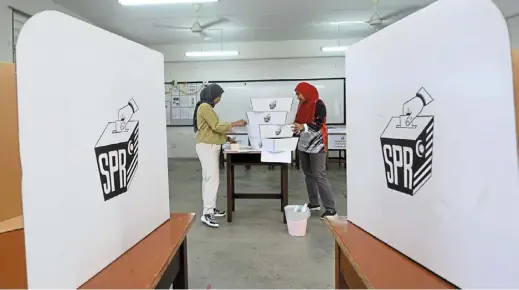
{"type": "Point", "coordinates": [250, 20]}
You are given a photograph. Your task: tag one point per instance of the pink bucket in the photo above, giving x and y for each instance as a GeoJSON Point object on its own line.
{"type": "Point", "coordinates": [296, 221]}
{"type": "Point", "coordinates": [297, 228]}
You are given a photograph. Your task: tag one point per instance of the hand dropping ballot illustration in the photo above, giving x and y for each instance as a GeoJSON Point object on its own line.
{"type": "Point", "coordinates": [407, 146]}
{"type": "Point", "coordinates": [117, 152]}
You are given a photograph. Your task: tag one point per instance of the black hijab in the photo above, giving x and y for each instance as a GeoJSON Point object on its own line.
{"type": "Point", "coordinates": [207, 96]}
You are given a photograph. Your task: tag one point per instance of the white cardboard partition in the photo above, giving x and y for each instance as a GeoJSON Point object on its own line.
{"type": "Point", "coordinates": [92, 145]}
{"type": "Point", "coordinates": [255, 119]}
{"type": "Point", "coordinates": [271, 104]}
{"type": "Point", "coordinates": [276, 131]}
{"type": "Point", "coordinates": [442, 189]}
{"type": "Point", "coordinates": [279, 145]}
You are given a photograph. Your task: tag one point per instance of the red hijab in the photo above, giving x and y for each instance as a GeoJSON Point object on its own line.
{"type": "Point", "coordinates": [306, 110]}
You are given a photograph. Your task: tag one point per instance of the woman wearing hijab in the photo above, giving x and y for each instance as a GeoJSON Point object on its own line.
{"type": "Point", "coordinates": [210, 135]}
{"type": "Point", "coordinates": [311, 127]}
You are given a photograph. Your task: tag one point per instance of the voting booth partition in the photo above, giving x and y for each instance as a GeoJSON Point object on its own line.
{"type": "Point", "coordinates": [515, 62]}
{"type": "Point", "coordinates": [10, 168]}
{"type": "Point", "coordinates": [92, 145]}
{"type": "Point", "coordinates": [432, 168]}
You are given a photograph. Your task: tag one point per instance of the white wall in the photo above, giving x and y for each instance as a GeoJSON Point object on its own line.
{"type": "Point", "coordinates": [257, 60]}
{"type": "Point", "coordinates": [181, 140]}
{"type": "Point", "coordinates": [28, 6]}
{"type": "Point", "coordinates": [513, 28]}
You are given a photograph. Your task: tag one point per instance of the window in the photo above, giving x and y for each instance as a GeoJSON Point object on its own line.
{"type": "Point", "coordinates": [18, 20]}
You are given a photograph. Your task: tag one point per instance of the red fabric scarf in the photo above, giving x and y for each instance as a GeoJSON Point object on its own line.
{"type": "Point", "coordinates": [306, 110]}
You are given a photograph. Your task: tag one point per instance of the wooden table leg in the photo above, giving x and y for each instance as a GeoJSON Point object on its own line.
{"type": "Point", "coordinates": [282, 183]}
{"type": "Point", "coordinates": [229, 189]}
{"type": "Point", "coordinates": [233, 191]}
{"type": "Point", "coordinates": [284, 189]}
{"type": "Point", "coordinates": [181, 280]}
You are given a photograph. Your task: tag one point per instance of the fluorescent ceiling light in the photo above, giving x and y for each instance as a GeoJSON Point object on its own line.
{"type": "Point", "coordinates": [334, 48]}
{"type": "Point", "coordinates": [158, 2]}
{"type": "Point", "coordinates": [348, 22]}
{"type": "Point", "coordinates": [212, 53]}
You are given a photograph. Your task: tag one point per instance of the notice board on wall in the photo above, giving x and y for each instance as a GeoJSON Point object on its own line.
{"type": "Point", "coordinates": [92, 147]}
{"type": "Point", "coordinates": [432, 155]}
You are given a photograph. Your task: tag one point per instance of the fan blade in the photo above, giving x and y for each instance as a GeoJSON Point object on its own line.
{"type": "Point", "coordinates": [216, 22]}
{"type": "Point", "coordinates": [169, 26]}
{"type": "Point", "coordinates": [203, 34]}
{"type": "Point", "coordinates": [397, 15]}
{"type": "Point", "coordinates": [512, 16]}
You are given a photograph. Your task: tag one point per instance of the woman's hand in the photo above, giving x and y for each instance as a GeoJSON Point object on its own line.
{"type": "Point", "coordinates": [298, 128]}
{"type": "Point", "coordinates": [240, 123]}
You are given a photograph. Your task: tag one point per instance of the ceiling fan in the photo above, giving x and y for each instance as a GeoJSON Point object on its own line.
{"type": "Point", "coordinates": [197, 27]}
{"type": "Point", "coordinates": [378, 22]}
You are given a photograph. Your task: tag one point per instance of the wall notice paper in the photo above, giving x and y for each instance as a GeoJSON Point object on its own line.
{"type": "Point", "coordinates": [175, 114]}
{"type": "Point", "coordinates": [95, 173]}
{"type": "Point", "coordinates": [432, 167]}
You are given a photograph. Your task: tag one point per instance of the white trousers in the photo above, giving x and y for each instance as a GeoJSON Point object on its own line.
{"type": "Point", "coordinates": [209, 156]}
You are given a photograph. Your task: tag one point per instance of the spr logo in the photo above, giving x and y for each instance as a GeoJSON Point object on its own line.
{"type": "Point", "coordinates": [273, 105]}
{"type": "Point", "coordinates": [407, 146]}
{"type": "Point", "coordinates": [117, 152]}
{"type": "Point", "coordinates": [267, 118]}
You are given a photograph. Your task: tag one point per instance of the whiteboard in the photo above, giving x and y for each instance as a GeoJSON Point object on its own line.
{"type": "Point", "coordinates": [235, 101]}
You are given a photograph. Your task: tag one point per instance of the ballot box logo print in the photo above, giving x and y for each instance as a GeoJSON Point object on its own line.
{"type": "Point", "coordinates": [117, 152]}
{"type": "Point", "coordinates": [278, 130]}
{"type": "Point", "coordinates": [407, 146]}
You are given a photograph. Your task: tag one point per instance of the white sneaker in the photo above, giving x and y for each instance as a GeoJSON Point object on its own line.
{"type": "Point", "coordinates": [219, 212]}
{"type": "Point", "coordinates": [209, 220]}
